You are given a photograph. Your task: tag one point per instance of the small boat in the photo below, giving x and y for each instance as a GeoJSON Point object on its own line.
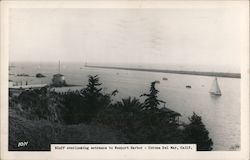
{"type": "Point", "coordinates": [188, 86]}
{"type": "Point", "coordinates": [215, 89]}
{"type": "Point", "coordinates": [164, 78]}
{"type": "Point", "coordinates": [39, 75]}
{"type": "Point", "coordinates": [23, 75]}
{"type": "Point", "coordinates": [157, 81]}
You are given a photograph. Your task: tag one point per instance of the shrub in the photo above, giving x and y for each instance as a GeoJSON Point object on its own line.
{"type": "Point", "coordinates": [38, 104]}
{"type": "Point", "coordinates": [40, 134]}
{"type": "Point", "coordinates": [196, 133]}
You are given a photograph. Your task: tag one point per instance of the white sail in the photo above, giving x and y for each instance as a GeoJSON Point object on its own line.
{"type": "Point", "coordinates": [215, 89]}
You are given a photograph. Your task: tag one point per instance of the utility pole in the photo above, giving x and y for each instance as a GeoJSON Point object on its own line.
{"type": "Point", "coordinates": [59, 67]}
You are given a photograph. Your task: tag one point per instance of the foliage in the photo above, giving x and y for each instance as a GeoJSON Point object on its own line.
{"type": "Point", "coordinates": [92, 91]}
{"type": "Point", "coordinates": [74, 112]}
{"type": "Point", "coordinates": [93, 99]}
{"type": "Point", "coordinates": [38, 133]}
{"type": "Point", "coordinates": [38, 104]}
{"type": "Point", "coordinates": [41, 133]}
{"type": "Point", "coordinates": [196, 133]}
{"type": "Point", "coordinates": [120, 115]}
{"type": "Point", "coordinates": [83, 106]}
{"type": "Point", "coordinates": [141, 122]}
{"type": "Point", "coordinates": [152, 101]}
{"type": "Point", "coordinates": [136, 122]}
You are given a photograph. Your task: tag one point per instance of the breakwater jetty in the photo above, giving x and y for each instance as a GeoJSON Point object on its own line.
{"type": "Point", "coordinates": [200, 73]}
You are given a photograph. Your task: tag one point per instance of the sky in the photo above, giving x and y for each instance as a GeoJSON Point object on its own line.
{"type": "Point", "coordinates": [211, 37]}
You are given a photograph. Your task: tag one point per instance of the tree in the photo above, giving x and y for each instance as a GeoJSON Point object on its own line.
{"type": "Point", "coordinates": [83, 106]}
{"type": "Point", "coordinates": [152, 128]}
{"type": "Point", "coordinates": [74, 107]}
{"type": "Point", "coordinates": [130, 105]}
{"type": "Point", "coordinates": [92, 91]}
{"type": "Point", "coordinates": [196, 133]}
{"type": "Point", "coordinates": [152, 101]}
{"type": "Point", "coordinates": [94, 100]}
{"type": "Point", "coordinates": [121, 114]}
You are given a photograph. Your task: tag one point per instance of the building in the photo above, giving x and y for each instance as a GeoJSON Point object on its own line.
{"type": "Point", "coordinates": [58, 80]}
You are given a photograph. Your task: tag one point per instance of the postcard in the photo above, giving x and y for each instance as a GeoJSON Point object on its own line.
{"type": "Point", "coordinates": [125, 80]}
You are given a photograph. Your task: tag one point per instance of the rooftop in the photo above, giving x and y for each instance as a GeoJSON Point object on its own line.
{"type": "Point", "coordinates": [58, 75]}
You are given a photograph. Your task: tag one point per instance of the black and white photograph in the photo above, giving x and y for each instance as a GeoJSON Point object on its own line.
{"type": "Point", "coordinates": [125, 76]}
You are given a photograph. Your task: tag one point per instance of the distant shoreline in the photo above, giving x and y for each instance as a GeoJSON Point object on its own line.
{"type": "Point", "coordinates": [211, 74]}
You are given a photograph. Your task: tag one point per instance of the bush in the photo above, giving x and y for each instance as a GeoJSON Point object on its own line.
{"type": "Point", "coordinates": [196, 133]}
{"type": "Point", "coordinates": [38, 104]}
{"type": "Point", "coordinates": [42, 133]}
{"type": "Point", "coordinates": [38, 134]}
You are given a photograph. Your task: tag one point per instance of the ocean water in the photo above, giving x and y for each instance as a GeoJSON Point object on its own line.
{"type": "Point", "coordinates": [221, 115]}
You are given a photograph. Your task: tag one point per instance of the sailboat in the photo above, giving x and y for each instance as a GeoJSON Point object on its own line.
{"type": "Point", "coordinates": [215, 89]}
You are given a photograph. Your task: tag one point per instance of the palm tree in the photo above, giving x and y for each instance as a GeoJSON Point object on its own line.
{"type": "Point", "coordinates": [130, 105]}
